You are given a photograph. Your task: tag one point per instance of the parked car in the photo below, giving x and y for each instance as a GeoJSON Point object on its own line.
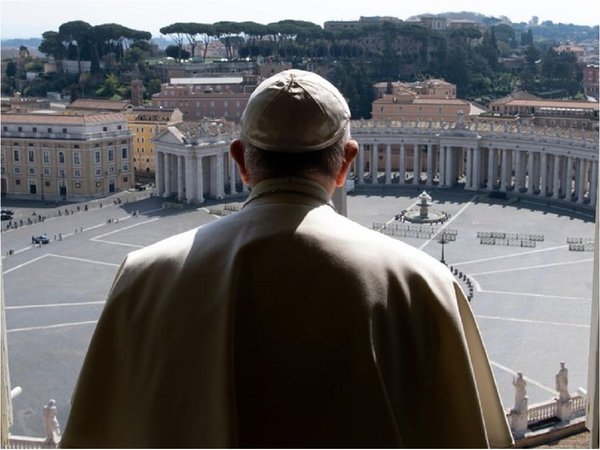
{"type": "Point", "coordinates": [7, 214]}
{"type": "Point", "coordinates": [41, 239]}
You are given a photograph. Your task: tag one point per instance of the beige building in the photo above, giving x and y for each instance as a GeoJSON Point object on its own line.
{"type": "Point", "coordinates": [145, 124]}
{"type": "Point", "coordinates": [575, 114]}
{"type": "Point", "coordinates": [210, 97]}
{"type": "Point", "coordinates": [72, 156]}
{"type": "Point", "coordinates": [428, 100]}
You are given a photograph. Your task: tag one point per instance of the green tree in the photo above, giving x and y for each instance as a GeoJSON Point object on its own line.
{"type": "Point", "coordinates": [78, 35]}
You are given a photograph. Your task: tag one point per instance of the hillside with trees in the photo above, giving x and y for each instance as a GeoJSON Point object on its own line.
{"type": "Point", "coordinates": [476, 59]}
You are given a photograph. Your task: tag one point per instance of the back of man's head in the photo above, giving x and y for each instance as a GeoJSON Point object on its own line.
{"type": "Point", "coordinates": [295, 123]}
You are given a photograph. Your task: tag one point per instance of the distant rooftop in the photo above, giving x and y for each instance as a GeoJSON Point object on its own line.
{"type": "Point", "coordinates": [207, 80]}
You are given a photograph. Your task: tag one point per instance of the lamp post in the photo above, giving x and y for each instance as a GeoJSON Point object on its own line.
{"type": "Point", "coordinates": [444, 237]}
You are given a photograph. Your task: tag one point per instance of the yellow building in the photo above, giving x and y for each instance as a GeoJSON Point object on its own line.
{"type": "Point", "coordinates": [146, 124]}
{"type": "Point", "coordinates": [73, 156]}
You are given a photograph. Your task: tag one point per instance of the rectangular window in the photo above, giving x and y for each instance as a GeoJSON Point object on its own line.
{"type": "Point", "coordinates": [47, 171]}
{"type": "Point", "coordinates": [16, 155]}
{"type": "Point", "coordinates": [31, 156]}
{"type": "Point", "coordinates": [46, 157]}
{"type": "Point", "coordinates": [98, 172]}
{"type": "Point", "coordinates": [77, 158]}
{"type": "Point", "coordinates": [49, 130]}
{"type": "Point", "coordinates": [124, 153]}
{"type": "Point", "coordinates": [77, 173]}
{"type": "Point", "coordinates": [64, 130]}
{"type": "Point", "coordinates": [32, 171]}
{"type": "Point", "coordinates": [61, 157]}
{"type": "Point", "coordinates": [124, 168]}
{"type": "Point", "coordinates": [97, 157]}
{"type": "Point", "coordinates": [111, 154]}
{"type": "Point", "coordinates": [104, 129]}
{"type": "Point", "coordinates": [34, 129]}
{"type": "Point", "coordinates": [17, 170]}
{"type": "Point", "coordinates": [111, 169]}
{"type": "Point", "coordinates": [17, 181]}
{"type": "Point", "coordinates": [62, 173]}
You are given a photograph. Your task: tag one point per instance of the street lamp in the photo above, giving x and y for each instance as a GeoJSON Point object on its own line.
{"type": "Point", "coordinates": [444, 237]}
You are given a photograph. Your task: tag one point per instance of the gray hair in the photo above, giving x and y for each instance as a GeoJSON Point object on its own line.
{"type": "Point", "coordinates": [262, 164]}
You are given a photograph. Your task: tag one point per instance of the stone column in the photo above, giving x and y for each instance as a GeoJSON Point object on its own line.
{"type": "Point", "coordinates": [416, 164]}
{"type": "Point", "coordinates": [232, 175]}
{"type": "Point", "coordinates": [530, 177]}
{"type": "Point", "coordinates": [402, 165]}
{"type": "Point", "coordinates": [429, 150]}
{"type": "Point", "coordinates": [543, 174]}
{"type": "Point", "coordinates": [159, 173]}
{"type": "Point", "coordinates": [388, 164]}
{"type": "Point", "coordinates": [491, 169]}
{"type": "Point", "coordinates": [476, 165]}
{"type": "Point", "coordinates": [442, 175]}
{"type": "Point", "coordinates": [594, 183]}
{"type": "Point", "coordinates": [581, 180]}
{"type": "Point", "coordinates": [569, 178]}
{"type": "Point", "coordinates": [504, 169]}
{"type": "Point", "coordinates": [220, 176]}
{"type": "Point", "coordinates": [450, 167]}
{"type": "Point", "coordinates": [180, 178]}
{"type": "Point", "coordinates": [555, 176]}
{"type": "Point", "coordinates": [190, 178]}
{"type": "Point", "coordinates": [361, 163]}
{"type": "Point", "coordinates": [518, 170]}
{"type": "Point", "coordinates": [374, 163]}
{"type": "Point", "coordinates": [199, 180]}
{"type": "Point", "coordinates": [167, 165]}
{"type": "Point", "coordinates": [469, 169]}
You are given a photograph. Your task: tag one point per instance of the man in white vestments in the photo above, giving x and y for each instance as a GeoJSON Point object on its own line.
{"type": "Point", "coordinates": [287, 324]}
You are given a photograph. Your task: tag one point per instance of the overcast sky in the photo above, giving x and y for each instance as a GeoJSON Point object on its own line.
{"type": "Point", "coordinates": [30, 18]}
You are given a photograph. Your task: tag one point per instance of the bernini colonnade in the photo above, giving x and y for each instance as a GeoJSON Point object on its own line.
{"type": "Point", "coordinates": [554, 163]}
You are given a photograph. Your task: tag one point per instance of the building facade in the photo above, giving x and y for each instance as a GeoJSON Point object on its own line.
{"type": "Point", "coordinates": [65, 156]}
{"type": "Point", "coordinates": [193, 161]}
{"type": "Point", "coordinates": [212, 97]}
{"type": "Point", "coordinates": [504, 159]}
{"type": "Point", "coordinates": [428, 100]}
{"type": "Point", "coordinates": [549, 163]}
{"type": "Point", "coordinates": [145, 125]}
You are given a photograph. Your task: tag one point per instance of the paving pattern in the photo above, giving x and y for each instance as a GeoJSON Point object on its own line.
{"type": "Point", "coordinates": [532, 303]}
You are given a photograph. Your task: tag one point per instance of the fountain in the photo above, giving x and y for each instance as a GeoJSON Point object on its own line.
{"type": "Point", "coordinates": [422, 212]}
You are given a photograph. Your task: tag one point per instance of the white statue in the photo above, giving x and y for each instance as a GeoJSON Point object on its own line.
{"type": "Point", "coordinates": [51, 424]}
{"type": "Point", "coordinates": [520, 394]}
{"type": "Point", "coordinates": [562, 382]}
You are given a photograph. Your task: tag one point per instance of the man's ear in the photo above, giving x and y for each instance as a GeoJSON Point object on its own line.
{"type": "Point", "coordinates": [350, 152]}
{"type": "Point", "coordinates": [237, 153]}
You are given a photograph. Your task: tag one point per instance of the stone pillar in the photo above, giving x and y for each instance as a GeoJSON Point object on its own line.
{"type": "Point", "coordinates": [530, 176]}
{"type": "Point", "coordinates": [594, 183]}
{"type": "Point", "coordinates": [232, 175]}
{"type": "Point", "coordinates": [544, 174]}
{"type": "Point", "coordinates": [518, 170]}
{"type": "Point", "coordinates": [569, 178]}
{"type": "Point", "coordinates": [442, 166]}
{"type": "Point", "coordinates": [199, 180]}
{"type": "Point", "coordinates": [555, 176]}
{"type": "Point", "coordinates": [180, 178]}
{"type": "Point", "coordinates": [503, 169]}
{"type": "Point", "coordinates": [469, 169]}
{"type": "Point", "coordinates": [476, 167]}
{"type": "Point", "coordinates": [388, 164]}
{"type": "Point", "coordinates": [416, 164]}
{"type": "Point", "coordinates": [190, 178]}
{"type": "Point", "coordinates": [360, 165]}
{"type": "Point", "coordinates": [220, 176]}
{"type": "Point", "coordinates": [159, 173]}
{"type": "Point", "coordinates": [581, 180]}
{"type": "Point", "coordinates": [450, 167]}
{"type": "Point", "coordinates": [167, 165]}
{"type": "Point", "coordinates": [491, 169]}
{"type": "Point", "coordinates": [402, 165]}
{"type": "Point", "coordinates": [429, 164]}
{"type": "Point", "coordinates": [374, 163]}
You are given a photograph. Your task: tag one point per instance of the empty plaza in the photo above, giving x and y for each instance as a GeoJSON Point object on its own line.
{"type": "Point", "coordinates": [532, 303]}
